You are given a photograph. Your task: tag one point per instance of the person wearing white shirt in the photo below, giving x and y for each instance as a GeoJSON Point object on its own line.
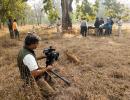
{"type": "Point", "coordinates": [28, 66]}
{"type": "Point", "coordinates": [58, 24]}
{"type": "Point", "coordinates": [83, 27]}
{"type": "Point", "coordinates": [119, 23]}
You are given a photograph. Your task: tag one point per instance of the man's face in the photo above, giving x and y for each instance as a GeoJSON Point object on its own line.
{"type": "Point", "coordinates": [34, 46]}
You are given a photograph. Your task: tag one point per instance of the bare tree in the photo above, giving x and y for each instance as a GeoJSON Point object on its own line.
{"type": "Point", "coordinates": [38, 11]}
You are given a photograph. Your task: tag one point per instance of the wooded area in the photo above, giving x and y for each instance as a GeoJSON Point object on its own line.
{"type": "Point", "coordinates": [21, 11]}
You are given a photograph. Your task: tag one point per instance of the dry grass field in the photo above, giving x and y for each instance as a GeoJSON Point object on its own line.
{"type": "Point", "coordinates": [102, 74]}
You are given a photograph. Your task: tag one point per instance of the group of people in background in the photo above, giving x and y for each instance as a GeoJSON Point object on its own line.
{"type": "Point", "coordinates": [101, 27]}
{"type": "Point", "coordinates": [13, 28]}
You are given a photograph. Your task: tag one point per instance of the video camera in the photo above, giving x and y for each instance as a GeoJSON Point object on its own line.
{"type": "Point", "coordinates": [51, 55]}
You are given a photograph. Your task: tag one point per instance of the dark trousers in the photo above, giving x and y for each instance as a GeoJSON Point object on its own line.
{"type": "Point", "coordinates": [16, 33]}
{"type": "Point", "coordinates": [107, 31]}
{"type": "Point", "coordinates": [100, 31]}
{"type": "Point", "coordinates": [11, 33]}
{"type": "Point", "coordinates": [83, 30]}
{"type": "Point", "coordinates": [111, 30]}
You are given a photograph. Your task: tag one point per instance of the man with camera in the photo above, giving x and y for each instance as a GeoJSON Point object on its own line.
{"type": "Point", "coordinates": [28, 66]}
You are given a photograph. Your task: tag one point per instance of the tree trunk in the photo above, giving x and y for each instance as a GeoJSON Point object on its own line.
{"type": "Point", "coordinates": [66, 9]}
{"type": "Point", "coordinates": [70, 5]}
{"type": "Point", "coordinates": [0, 23]}
{"type": "Point", "coordinates": [0, 11]}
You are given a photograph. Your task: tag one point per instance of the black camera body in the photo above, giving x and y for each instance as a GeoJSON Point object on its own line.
{"type": "Point", "coordinates": [51, 55]}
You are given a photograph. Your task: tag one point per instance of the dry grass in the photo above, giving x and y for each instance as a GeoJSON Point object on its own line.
{"type": "Point", "coordinates": [103, 74]}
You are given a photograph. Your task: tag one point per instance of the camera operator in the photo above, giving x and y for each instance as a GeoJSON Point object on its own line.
{"type": "Point", "coordinates": [28, 66]}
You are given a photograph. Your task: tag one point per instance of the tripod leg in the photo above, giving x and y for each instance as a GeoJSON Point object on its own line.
{"type": "Point", "coordinates": [47, 77]}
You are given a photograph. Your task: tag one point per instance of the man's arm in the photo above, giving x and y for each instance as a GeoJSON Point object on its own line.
{"type": "Point", "coordinates": [38, 72]}
{"type": "Point", "coordinates": [41, 57]}
{"type": "Point", "coordinates": [31, 63]}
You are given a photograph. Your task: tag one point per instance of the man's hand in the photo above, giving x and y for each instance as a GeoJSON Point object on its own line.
{"type": "Point", "coordinates": [49, 68]}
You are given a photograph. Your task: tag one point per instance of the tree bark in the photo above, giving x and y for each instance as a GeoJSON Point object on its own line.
{"type": "Point", "coordinates": [0, 24]}
{"type": "Point", "coordinates": [0, 11]}
{"type": "Point", "coordinates": [66, 10]}
{"type": "Point", "coordinates": [70, 5]}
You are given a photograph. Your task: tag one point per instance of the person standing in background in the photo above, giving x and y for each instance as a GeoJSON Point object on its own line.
{"type": "Point", "coordinates": [15, 29]}
{"type": "Point", "coordinates": [83, 27]}
{"type": "Point", "coordinates": [111, 25]}
{"type": "Point", "coordinates": [10, 27]}
{"type": "Point", "coordinates": [101, 21]}
{"type": "Point", "coordinates": [119, 23]}
{"type": "Point", "coordinates": [58, 24]}
{"type": "Point", "coordinates": [107, 27]}
{"type": "Point", "coordinates": [97, 24]}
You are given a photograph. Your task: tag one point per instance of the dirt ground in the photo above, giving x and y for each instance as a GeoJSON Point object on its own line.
{"type": "Point", "coordinates": [103, 72]}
